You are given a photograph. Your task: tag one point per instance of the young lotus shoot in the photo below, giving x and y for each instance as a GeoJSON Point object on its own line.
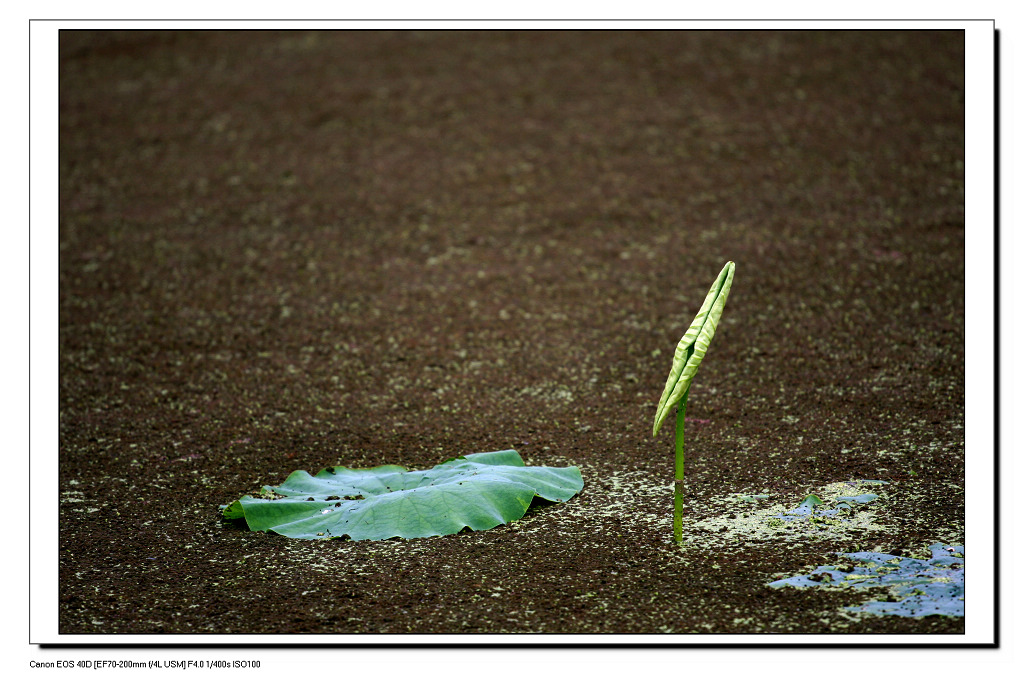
{"type": "Point", "coordinates": [689, 353]}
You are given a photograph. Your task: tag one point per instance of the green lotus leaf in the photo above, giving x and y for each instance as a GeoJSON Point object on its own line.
{"type": "Point", "coordinates": [478, 491]}
{"type": "Point", "coordinates": [862, 498]}
{"type": "Point", "coordinates": [694, 345]}
{"type": "Point", "coordinates": [806, 506]}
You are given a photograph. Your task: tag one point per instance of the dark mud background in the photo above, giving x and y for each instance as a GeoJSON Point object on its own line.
{"type": "Point", "coordinates": [289, 250]}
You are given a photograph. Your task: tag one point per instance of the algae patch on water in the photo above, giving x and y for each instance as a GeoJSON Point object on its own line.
{"type": "Point", "coordinates": [839, 511]}
{"type": "Point", "coordinates": [917, 587]}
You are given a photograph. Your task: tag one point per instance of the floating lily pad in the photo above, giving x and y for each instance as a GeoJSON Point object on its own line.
{"type": "Point", "coordinates": [478, 491]}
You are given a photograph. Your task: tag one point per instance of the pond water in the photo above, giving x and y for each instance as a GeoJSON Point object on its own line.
{"type": "Point", "coordinates": [917, 587]}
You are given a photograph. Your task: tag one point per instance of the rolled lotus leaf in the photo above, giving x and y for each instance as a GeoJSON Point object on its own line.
{"type": "Point", "coordinates": [478, 491]}
{"type": "Point", "coordinates": [691, 349]}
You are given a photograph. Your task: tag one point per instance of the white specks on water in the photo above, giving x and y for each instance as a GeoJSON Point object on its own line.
{"type": "Point", "coordinates": [767, 519]}
{"type": "Point", "coordinates": [549, 392]}
{"type": "Point", "coordinates": [631, 501]}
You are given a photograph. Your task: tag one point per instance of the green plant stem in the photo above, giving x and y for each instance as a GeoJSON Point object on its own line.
{"type": "Point", "coordinates": [677, 523]}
